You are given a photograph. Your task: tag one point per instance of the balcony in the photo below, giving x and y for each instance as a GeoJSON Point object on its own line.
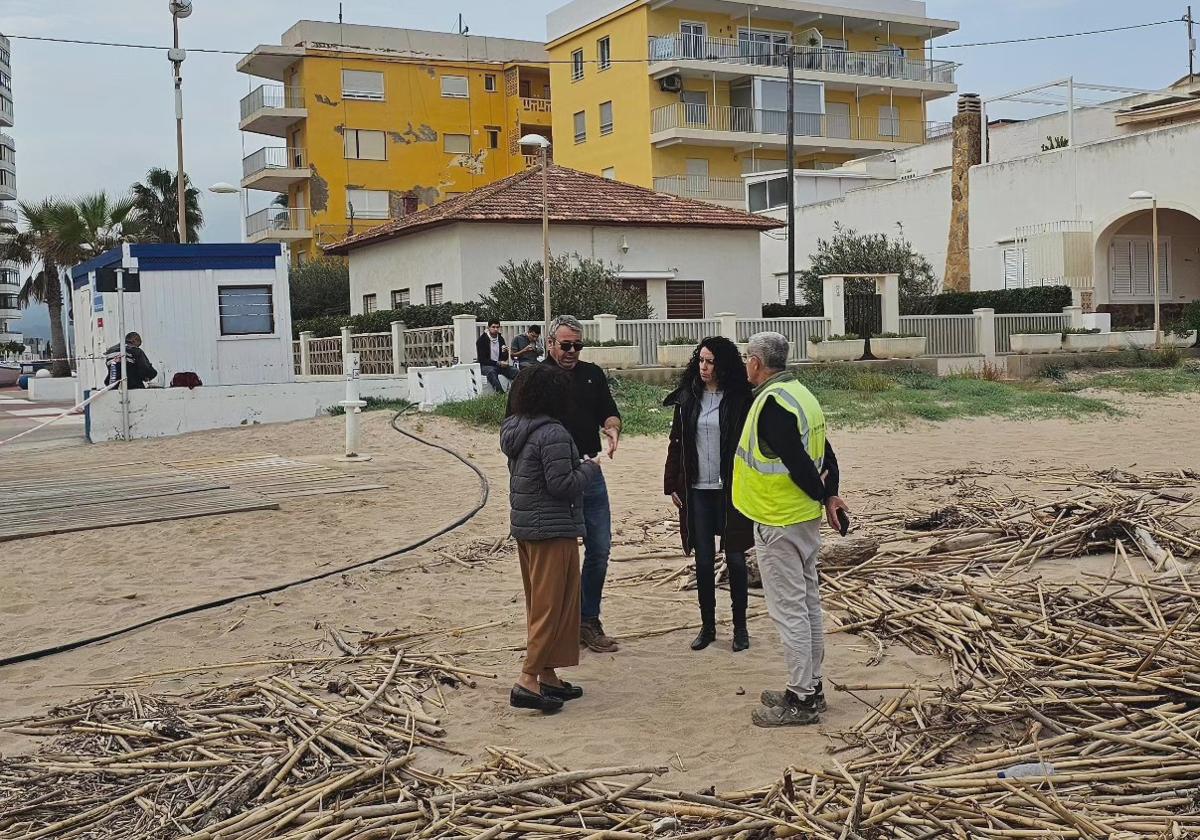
{"type": "Point", "coordinates": [729, 192]}
{"type": "Point", "coordinates": [729, 58]}
{"type": "Point", "coordinates": [6, 111]}
{"type": "Point", "coordinates": [708, 125]}
{"type": "Point", "coordinates": [272, 109]}
{"type": "Point", "coordinates": [279, 224]}
{"type": "Point", "coordinates": [535, 111]}
{"type": "Point", "coordinates": [8, 216]}
{"type": "Point", "coordinates": [274, 168]}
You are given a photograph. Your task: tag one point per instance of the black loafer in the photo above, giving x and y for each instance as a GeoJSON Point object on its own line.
{"type": "Point", "coordinates": [741, 639]}
{"type": "Point", "coordinates": [522, 698]}
{"type": "Point", "coordinates": [707, 636]}
{"type": "Point", "coordinates": [566, 691]}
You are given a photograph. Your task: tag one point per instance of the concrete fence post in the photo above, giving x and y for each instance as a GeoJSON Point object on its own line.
{"type": "Point", "coordinates": [347, 346]}
{"type": "Point", "coordinates": [306, 338]}
{"type": "Point", "coordinates": [1074, 317]}
{"type": "Point", "coordinates": [398, 360]}
{"type": "Point", "coordinates": [889, 289]}
{"type": "Point", "coordinates": [985, 333]}
{"type": "Point", "coordinates": [608, 327]}
{"type": "Point", "coordinates": [728, 327]}
{"type": "Point", "coordinates": [834, 287]}
{"type": "Point", "coordinates": [465, 335]}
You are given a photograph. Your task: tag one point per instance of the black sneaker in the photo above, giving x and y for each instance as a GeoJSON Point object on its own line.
{"type": "Point", "coordinates": [773, 698]}
{"type": "Point", "coordinates": [793, 712]}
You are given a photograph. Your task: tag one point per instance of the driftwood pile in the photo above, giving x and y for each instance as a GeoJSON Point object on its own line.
{"type": "Point", "coordinates": [1071, 710]}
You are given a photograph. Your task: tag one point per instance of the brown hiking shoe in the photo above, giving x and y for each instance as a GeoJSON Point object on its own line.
{"type": "Point", "coordinates": [591, 636]}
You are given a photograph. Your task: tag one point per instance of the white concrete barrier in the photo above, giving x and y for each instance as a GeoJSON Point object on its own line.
{"type": "Point", "coordinates": [60, 390]}
{"type": "Point", "coordinates": [164, 412]}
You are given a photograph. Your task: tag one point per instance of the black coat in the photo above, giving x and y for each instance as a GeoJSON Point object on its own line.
{"type": "Point", "coordinates": [546, 478]}
{"type": "Point", "coordinates": [683, 462]}
{"type": "Point", "coordinates": [483, 350]}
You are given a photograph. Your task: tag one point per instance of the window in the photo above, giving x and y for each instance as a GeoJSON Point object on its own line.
{"type": "Point", "coordinates": [370, 304]}
{"type": "Point", "coordinates": [400, 298]}
{"type": "Point", "coordinates": [493, 137]}
{"type": "Point", "coordinates": [433, 294]}
{"type": "Point", "coordinates": [456, 144]}
{"type": "Point", "coordinates": [691, 39]}
{"type": "Point", "coordinates": [697, 175]}
{"type": "Point", "coordinates": [1131, 267]}
{"type": "Point", "coordinates": [489, 82]}
{"type": "Point", "coordinates": [576, 65]}
{"type": "Point", "coordinates": [245, 310]}
{"type": "Point", "coordinates": [685, 299]}
{"type": "Point", "coordinates": [768, 194]}
{"type": "Point", "coordinates": [695, 106]}
{"type": "Point", "coordinates": [365, 145]}
{"type": "Point", "coordinates": [580, 126]}
{"type": "Point", "coordinates": [604, 52]}
{"type": "Point", "coordinates": [609, 172]}
{"type": "Point", "coordinates": [526, 88]}
{"type": "Point", "coordinates": [889, 121]}
{"type": "Point", "coordinates": [606, 118]}
{"type": "Point", "coordinates": [362, 84]}
{"type": "Point", "coordinates": [455, 87]}
{"type": "Point", "coordinates": [367, 204]}
{"type": "Point", "coordinates": [7, 179]}
{"type": "Point", "coordinates": [1016, 268]}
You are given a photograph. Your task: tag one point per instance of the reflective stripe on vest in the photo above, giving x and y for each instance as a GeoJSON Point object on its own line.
{"type": "Point", "coordinates": [763, 489]}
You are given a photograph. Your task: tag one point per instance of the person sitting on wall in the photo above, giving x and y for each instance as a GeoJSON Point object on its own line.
{"type": "Point", "coordinates": [527, 348]}
{"type": "Point", "coordinates": [138, 369]}
{"type": "Point", "coordinates": [492, 354]}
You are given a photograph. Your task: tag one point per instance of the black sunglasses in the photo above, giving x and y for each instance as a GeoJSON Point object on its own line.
{"type": "Point", "coordinates": [569, 346]}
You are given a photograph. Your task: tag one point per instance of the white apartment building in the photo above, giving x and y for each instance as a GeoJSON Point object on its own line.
{"type": "Point", "coordinates": [10, 314]}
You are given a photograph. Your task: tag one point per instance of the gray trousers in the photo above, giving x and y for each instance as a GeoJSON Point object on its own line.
{"type": "Point", "coordinates": [787, 560]}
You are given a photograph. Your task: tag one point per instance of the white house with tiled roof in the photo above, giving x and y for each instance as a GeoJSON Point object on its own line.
{"type": "Point", "coordinates": [692, 258]}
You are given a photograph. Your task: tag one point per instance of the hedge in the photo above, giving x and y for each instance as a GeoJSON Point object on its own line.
{"type": "Point", "coordinates": [800, 310]}
{"type": "Point", "coordinates": [380, 321]}
{"type": "Point", "coordinates": [1004, 301]}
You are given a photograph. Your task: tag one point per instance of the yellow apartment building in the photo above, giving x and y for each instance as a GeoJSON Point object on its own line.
{"type": "Point", "coordinates": [686, 96]}
{"type": "Point", "coordinates": [348, 126]}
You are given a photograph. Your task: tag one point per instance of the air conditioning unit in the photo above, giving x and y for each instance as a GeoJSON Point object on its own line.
{"type": "Point", "coordinates": [671, 84]}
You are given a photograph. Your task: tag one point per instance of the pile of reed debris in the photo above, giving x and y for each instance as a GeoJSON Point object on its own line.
{"type": "Point", "coordinates": [1072, 710]}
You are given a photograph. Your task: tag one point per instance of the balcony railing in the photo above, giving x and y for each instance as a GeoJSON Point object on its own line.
{"type": "Point", "coordinates": [698, 186]}
{"type": "Point", "coordinates": [8, 216]}
{"type": "Point", "coordinates": [273, 157]}
{"type": "Point", "coordinates": [539, 106]}
{"type": "Point", "coordinates": [882, 64]}
{"type": "Point", "coordinates": [277, 219]}
{"type": "Point", "coordinates": [724, 118]}
{"type": "Point", "coordinates": [272, 96]}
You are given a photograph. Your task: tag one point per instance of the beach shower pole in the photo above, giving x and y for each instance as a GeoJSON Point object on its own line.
{"type": "Point", "coordinates": [353, 406]}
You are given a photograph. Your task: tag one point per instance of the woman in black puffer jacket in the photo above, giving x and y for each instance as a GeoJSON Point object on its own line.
{"type": "Point", "coordinates": [546, 483]}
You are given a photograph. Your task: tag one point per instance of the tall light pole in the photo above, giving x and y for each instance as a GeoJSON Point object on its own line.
{"type": "Point", "coordinates": [543, 146]}
{"type": "Point", "coordinates": [179, 9]}
{"type": "Point", "coordinates": [1143, 195]}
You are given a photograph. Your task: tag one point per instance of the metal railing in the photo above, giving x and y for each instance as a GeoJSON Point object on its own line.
{"type": "Point", "coordinates": [8, 215]}
{"type": "Point", "coordinates": [429, 347]}
{"type": "Point", "coordinates": [274, 157]}
{"type": "Point", "coordinates": [948, 335]}
{"type": "Point", "coordinates": [737, 120]}
{"type": "Point", "coordinates": [537, 106]}
{"type": "Point", "coordinates": [277, 218]}
{"type": "Point", "coordinates": [880, 64]}
{"type": "Point", "coordinates": [698, 186]}
{"type": "Point", "coordinates": [796, 330]}
{"type": "Point", "coordinates": [1009, 325]}
{"type": "Point", "coordinates": [374, 352]}
{"type": "Point", "coordinates": [648, 335]}
{"type": "Point", "coordinates": [272, 96]}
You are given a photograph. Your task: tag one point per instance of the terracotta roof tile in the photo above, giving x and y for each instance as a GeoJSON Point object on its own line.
{"type": "Point", "coordinates": [574, 198]}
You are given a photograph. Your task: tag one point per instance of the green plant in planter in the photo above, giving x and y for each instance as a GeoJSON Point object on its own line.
{"type": "Point", "coordinates": [898, 335]}
{"type": "Point", "coordinates": [817, 339]}
{"type": "Point", "coordinates": [1040, 332]}
{"type": "Point", "coordinates": [1081, 331]}
{"type": "Point", "coordinates": [1189, 321]}
{"type": "Point", "coordinates": [616, 342]}
{"type": "Point", "coordinates": [679, 341]}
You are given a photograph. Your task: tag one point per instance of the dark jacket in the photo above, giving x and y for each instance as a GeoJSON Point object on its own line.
{"type": "Point", "coordinates": [546, 478]}
{"type": "Point", "coordinates": [683, 462]}
{"type": "Point", "coordinates": [138, 369]}
{"type": "Point", "coordinates": [483, 350]}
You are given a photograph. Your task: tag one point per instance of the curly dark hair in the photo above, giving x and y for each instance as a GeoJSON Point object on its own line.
{"type": "Point", "coordinates": [542, 390]}
{"type": "Point", "coordinates": [731, 370]}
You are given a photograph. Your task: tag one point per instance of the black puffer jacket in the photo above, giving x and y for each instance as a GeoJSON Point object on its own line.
{"type": "Point", "coordinates": [546, 478]}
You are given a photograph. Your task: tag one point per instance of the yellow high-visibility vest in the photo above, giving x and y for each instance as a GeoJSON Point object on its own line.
{"type": "Point", "coordinates": [762, 488]}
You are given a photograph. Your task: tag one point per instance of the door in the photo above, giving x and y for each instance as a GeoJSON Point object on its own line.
{"type": "Point", "coordinates": [691, 39]}
{"type": "Point", "coordinates": [837, 119]}
{"type": "Point", "coordinates": [697, 176]}
{"type": "Point", "coordinates": [835, 55]}
{"type": "Point", "coordinates": [695, 107]}
{"type": "Point", "coordinates": [763, 46]}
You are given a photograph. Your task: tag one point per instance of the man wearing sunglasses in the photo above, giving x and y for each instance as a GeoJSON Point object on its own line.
{"type": "Point", "coordinates": [592, 412]}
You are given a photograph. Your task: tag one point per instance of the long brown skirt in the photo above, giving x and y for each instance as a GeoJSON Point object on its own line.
{"type": "Point", "coordinates": [550, 573]}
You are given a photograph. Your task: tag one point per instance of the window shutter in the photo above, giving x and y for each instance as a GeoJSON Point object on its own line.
{"type": "Point", "coordinates": [1140, 259]}
{"type": "Point", "coordinates": [685, 299]}
{"type": "Point", "coordinates": [1120, 267]}
{"type": "Point", "coordinates": [1012, 268]}
{"type": "Point", "coordinates": [362, 84]}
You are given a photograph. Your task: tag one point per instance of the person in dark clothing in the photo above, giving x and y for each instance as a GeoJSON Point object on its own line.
{"type": "Point", "coordinates": [546, 487]}
{"type": "Point", "coordinates": [591, 411]}
{"type": "Point", "coordinates": [527, 347]}
{"type": "Point", "coordinates": [711, 404]}
{"type": "Point", "coordinates": [138, 370]}
{"type": "Point", "coordinates": [492, 354]}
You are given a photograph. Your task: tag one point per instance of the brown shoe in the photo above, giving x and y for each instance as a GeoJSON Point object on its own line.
{"type": "Point", "coordinates": [591, 636]}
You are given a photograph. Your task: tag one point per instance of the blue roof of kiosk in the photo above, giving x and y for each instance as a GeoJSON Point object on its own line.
{"type": "Point", "coordinates": [171, 257]}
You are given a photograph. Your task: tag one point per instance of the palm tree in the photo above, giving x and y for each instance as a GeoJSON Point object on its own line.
{"type": "Point", "coordinates": [156, 202]}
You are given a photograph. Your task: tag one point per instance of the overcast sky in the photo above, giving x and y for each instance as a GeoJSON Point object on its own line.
{"type": "Point", "coordinates": [90, 117]}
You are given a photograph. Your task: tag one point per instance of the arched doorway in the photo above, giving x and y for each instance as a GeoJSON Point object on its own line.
{"type": "Point", "coordinates": [1124, 266]}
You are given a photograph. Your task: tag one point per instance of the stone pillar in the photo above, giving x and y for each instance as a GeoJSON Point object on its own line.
{"type": "Point", "coordinates": [347, 348]}
{"type": "Point", "coordinates": [965, 151]}
{"type": "Point", "coordinates": [305, 353]}
{"type": "Point", "coordinates": [834, 288]}
{"type": "Point", "coordinates": [465, 335]}
{"type": "Point", "coordinates": [889, 291]}
{"type": "Point", "coordinates": [985, 333]}
{"type": "Point", "coordinates": [728, 326]}
{"type": "Point", "coordinates": [1074, 317]}
{"type": "Point", "coordinates": [398, 360]}
{"type": "Point", "coordinates": [607, 327]}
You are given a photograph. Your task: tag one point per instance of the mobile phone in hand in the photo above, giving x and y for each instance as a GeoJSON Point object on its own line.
{"type": "Point", "coordinates": [843, 519]}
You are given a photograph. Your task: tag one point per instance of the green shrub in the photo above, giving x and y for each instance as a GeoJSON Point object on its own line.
{"type": "Point", "coordinates": [414, 317]}
{"type": "Point", "coordinates": [1080, 331]}
{"type": "Point", "coordinates": [782, 310]}
{"type": "Point", "coordinates": [616, 342]}
{"type": "Point", "coordinates": [320, 288]}
{"type": "Point", "coordinates": [898, 335]}
{"type": "Point", "coordinates": [1004, 301]}
{"type": "Point", "coordinates": [679, 341]}
{"type": "Point", "coordinates": [817, 339]}
{"type": "Point", "coordinates": [581, 286]}
{"type": "Point", "coordinates": [1039, 332]}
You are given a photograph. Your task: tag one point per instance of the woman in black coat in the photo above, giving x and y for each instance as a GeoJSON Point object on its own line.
{"type": "Point", "coordinates": [711, 404]}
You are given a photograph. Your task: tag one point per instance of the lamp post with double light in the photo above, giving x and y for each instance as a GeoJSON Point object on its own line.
{"type": "Point", "coordinates": [543, 146]}
{"type": "Point", "coordinates": [1143, 195]}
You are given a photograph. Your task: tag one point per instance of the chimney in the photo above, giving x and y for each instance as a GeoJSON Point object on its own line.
{"type": "Point", "coordinates": [965, 153]}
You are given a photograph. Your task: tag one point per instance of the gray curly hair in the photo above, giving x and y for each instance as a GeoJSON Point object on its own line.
{"type": "Point", "coordinates": [568, 321]}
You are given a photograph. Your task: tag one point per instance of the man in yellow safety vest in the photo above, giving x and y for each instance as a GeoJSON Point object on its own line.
{"type": "Point", "coordinates": [785, 477]}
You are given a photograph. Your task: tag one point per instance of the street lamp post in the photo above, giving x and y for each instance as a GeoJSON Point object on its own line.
{"type": "Point", "coordinates": [1143, 195]}
{"type": "Point", "coordinates": [179, 9]}
{"type": "Point", "coordinates": [543, 146]}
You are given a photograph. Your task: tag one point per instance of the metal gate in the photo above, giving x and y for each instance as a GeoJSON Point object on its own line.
{"type": "Point", "coordinates": [864, 314]}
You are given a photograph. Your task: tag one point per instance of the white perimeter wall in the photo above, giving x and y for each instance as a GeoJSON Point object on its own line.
{"type": "Point", "coordinates": [466, 257]}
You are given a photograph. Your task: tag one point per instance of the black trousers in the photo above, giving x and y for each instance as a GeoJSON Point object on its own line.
{"type": "Point", "coordinates": [706, 521]}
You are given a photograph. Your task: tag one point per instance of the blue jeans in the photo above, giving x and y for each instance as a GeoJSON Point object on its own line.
{"type": "Point", "coordinates": [493, 375]}
{"type": "Point", "coordinates": [597, 545]}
